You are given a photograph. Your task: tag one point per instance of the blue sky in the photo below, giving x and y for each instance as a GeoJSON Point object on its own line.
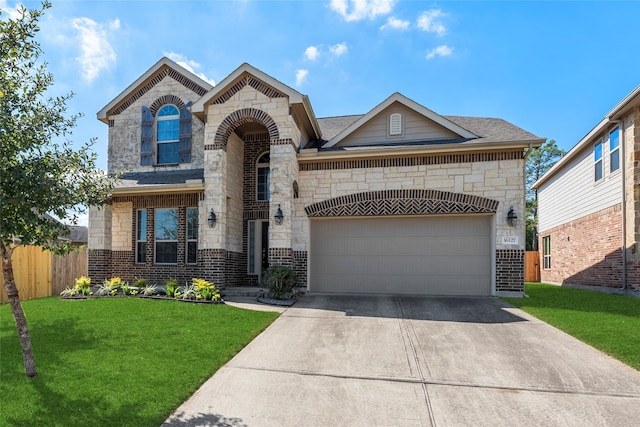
{"type": "Point", "coordinates": [552, 68]}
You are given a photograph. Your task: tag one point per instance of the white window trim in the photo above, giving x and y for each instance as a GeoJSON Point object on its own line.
{"type": "Point", "coordinates": [155, 129]}
{"type": "Point", "coordinates": [546, 257]}
{"type": "Point", "coordinates": [615, 151]}
{"type": "Point", "coordinates": [601, 161]}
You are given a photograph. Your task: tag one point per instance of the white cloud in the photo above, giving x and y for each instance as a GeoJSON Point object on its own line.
{"type": "Point", "coordinates": [311, 53]}
{"type": "Point", "coordinates": [301, 76]}
{"type": "Point", "coordinates": [10, 12]}
{"type": "Point", "coordinates": [339, 49]}
{"type": "Point", "coordinates": [395, 24]}
{"type": "Point", "coordinates": [357, 10]}
{"type": "Point", "coordinates": [442, 50]}
{"type": "Point", "coordinates": [189, 64]}
{"type": "Point", "coordinates": [97, 54]}
{"type": "Point", "coordinates": [429, 21]}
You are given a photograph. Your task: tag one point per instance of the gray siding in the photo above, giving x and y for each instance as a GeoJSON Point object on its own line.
{"type": "Point", "coordinates": [573, 192]}
{"type": "Point", "coordinates": [415, 128]}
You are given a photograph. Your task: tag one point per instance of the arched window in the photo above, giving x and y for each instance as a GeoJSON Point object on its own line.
{"type": "Point", "coordinates": [168, 134]}
{"type": "Point", "coordinates": [263, 173]}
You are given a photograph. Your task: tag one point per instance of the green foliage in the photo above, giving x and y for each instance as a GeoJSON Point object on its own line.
{"type": "Point", "coordinates": [538, 163]}
{"type": "Point", "coordinates": [111, 286]}
{"type": "Point", "coordinates": [105, 359]}
{"type": "Point", "coordinates": [171, 288]}
{"type": "Point", "coordinates": [188, 292]}
{"type": "Point", "coordinates": [205, 290]}
{"type": "Point", "coordinates": [149, 290]}
{"type": "Point", "coordinates": [41, 173]}
{"type": "Point", "coordinates": [607, 322]}
{"type": "Point", "coordinates": [140, 283]}
{"type": "Point", "coordinates": [279, 279]}
{"type": "Point", "coordinates": [83, 285]}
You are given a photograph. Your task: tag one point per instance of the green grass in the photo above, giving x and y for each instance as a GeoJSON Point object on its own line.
{"type": "Point", "coordinates": [119, 361]}
{"type": "Point", "coordinates": [610, 323]}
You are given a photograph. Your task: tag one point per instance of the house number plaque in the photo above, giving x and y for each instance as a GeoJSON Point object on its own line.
{"type": "Point", "coordinates": [509, 240]}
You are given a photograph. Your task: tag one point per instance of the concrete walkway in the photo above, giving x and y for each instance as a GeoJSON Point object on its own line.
{"type": "Point", "coordinates": [414, 361]}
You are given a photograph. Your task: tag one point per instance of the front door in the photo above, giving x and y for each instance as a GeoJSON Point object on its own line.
{"type": "Point", "coordinates": [258, 247]}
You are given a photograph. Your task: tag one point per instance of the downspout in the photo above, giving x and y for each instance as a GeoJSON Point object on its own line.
{"type": "Point", "coordinates": [623, 158]}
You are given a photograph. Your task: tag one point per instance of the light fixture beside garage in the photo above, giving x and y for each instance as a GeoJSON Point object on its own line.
{"type": "Point", "coordinates": [212, 219]}
{"type": "Point", "coordinates": [512, 218]}
{"type": "Point", "coordinates": [278, 216]}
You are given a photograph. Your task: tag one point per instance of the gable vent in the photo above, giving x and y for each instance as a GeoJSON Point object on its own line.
{"type": "Point", "coordinates": [395, 124]}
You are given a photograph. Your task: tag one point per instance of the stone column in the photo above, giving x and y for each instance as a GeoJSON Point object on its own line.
{"type": "Point", "coordinates": [212, 240]}
{"type": "Point", "coordinates": [99, 265]}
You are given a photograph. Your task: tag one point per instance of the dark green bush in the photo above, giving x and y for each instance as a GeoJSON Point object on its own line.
{"type": "Point", "coordinates": [279, 279]}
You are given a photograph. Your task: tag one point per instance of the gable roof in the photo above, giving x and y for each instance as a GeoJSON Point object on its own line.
{"type": "Point", "coordinates": [594, 134]}
{"type": "Point", "coordinates": [148, 80]}
{"type": "Point", "coordinates": [398, 97]}
{"type": "Point", "coordinates": [246, 74]}
{"type": "Point", "coordinates": [487, 131]}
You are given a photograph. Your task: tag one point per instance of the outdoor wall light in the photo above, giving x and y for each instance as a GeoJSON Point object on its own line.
{"type": "Point", "coordinates": [212, 219]}
{"type": "Point", "coordinates": [512, 218]}
{"type": "Point", "coordinates": [278, 216]}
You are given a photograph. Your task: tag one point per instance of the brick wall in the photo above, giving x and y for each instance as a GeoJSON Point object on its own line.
{"type": "Point", "coordinates": [509, 270]}
{"type": "Point", "coordinates": [586, 251]}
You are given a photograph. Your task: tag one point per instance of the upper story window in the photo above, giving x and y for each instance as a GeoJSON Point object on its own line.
{"type": "Point", "coordinates": [614, 150]}
{"type": "Point", "coordinates": [395, 124]}
{"type": "Point", "coordinates": [168, 134]}
{"type": "Point", "coordinates": [597, 161]}
{"type": "Point", "coordinates": [263, 179]}
{"type": "Point", "coordinates": [165, 137]}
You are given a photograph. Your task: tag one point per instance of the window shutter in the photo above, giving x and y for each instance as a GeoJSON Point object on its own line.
{"type": "Point", "coordinates": [184, 144]}
{"type": "Point", "coordinates": [146, 137]}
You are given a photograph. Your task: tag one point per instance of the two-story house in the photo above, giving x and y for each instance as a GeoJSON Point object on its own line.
{"type": "Point", "coordinates": [222, 181]}
{"type": "Point", "coordinates": [589, 206]}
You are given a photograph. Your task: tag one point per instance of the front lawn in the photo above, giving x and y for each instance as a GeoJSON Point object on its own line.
{"type": "Point", "coordinates": [610, 323]}
{"type": "Point", "coordinates": [116, 361]}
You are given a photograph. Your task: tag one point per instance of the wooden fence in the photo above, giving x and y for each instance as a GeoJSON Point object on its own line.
{"type": "Point", "coordinates": [41, 274]}
{"type": "Point", "coordinates": [532, 266]}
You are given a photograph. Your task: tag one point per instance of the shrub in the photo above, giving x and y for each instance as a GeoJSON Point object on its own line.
{"type": "Point", "coordinates": [279, 279]}
{"type": "Point", "coordinates": [205, 290]}
{"type": "Point", "coordinates": [149, 290]}
{"type": "Point", "coordinates": [111, 286]}
{"type": "Point", "coordinates": [188, 292]}
{"type": "Point", "coordinates": [140, 283]}
{"type": "Point", "coordinates": [83, 285]}
{"type": "Point", "coordinates": [69, 292]}
{"type": "Point", "coordinates": [171, 288]}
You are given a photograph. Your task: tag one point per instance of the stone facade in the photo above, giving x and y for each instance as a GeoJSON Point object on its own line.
{"type": "Point", "coordinates": [247, 117]}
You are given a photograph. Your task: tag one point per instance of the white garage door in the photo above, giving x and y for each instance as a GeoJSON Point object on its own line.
{"type": "Point", "coordinates": [410, 255]}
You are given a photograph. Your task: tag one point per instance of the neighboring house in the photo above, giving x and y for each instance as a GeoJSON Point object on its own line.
{"type": "Point", "coordinates": [589, 206]}
{"type": "Point", "coordinates": [221, 182]}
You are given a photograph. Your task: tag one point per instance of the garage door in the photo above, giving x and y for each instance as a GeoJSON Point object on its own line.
{"type": "Point", "coordinates": [410, 255]}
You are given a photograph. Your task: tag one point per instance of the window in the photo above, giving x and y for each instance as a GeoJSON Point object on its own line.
{"type": "Point", "coordinates": [166, 233]}
{"type": "Point", "coordinates": [546, 252]}
{"type": "Point", "coordinates": [168, 133]}
{"type": "Point", "coordinates": [597, 159]}
{"type": "Point", "coordinates": [192, 235]}
{"type": "Point", "coordinates": [141, 236]}
{"type": "Point", "coordinates": [614, 150]}
{"type": "Point", "coordinates": [395, 124]}
{"type": "Point", "coordinates": [263, 177]}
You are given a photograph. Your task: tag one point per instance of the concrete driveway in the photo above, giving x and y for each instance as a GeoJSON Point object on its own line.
{"type": "Point", "coordinates": [414, 361]}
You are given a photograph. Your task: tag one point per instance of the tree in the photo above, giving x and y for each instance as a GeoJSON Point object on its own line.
{"type": "Point", "coordinates": [538, 163]}
{"type": "Point", "coordinates": [38, 176]}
